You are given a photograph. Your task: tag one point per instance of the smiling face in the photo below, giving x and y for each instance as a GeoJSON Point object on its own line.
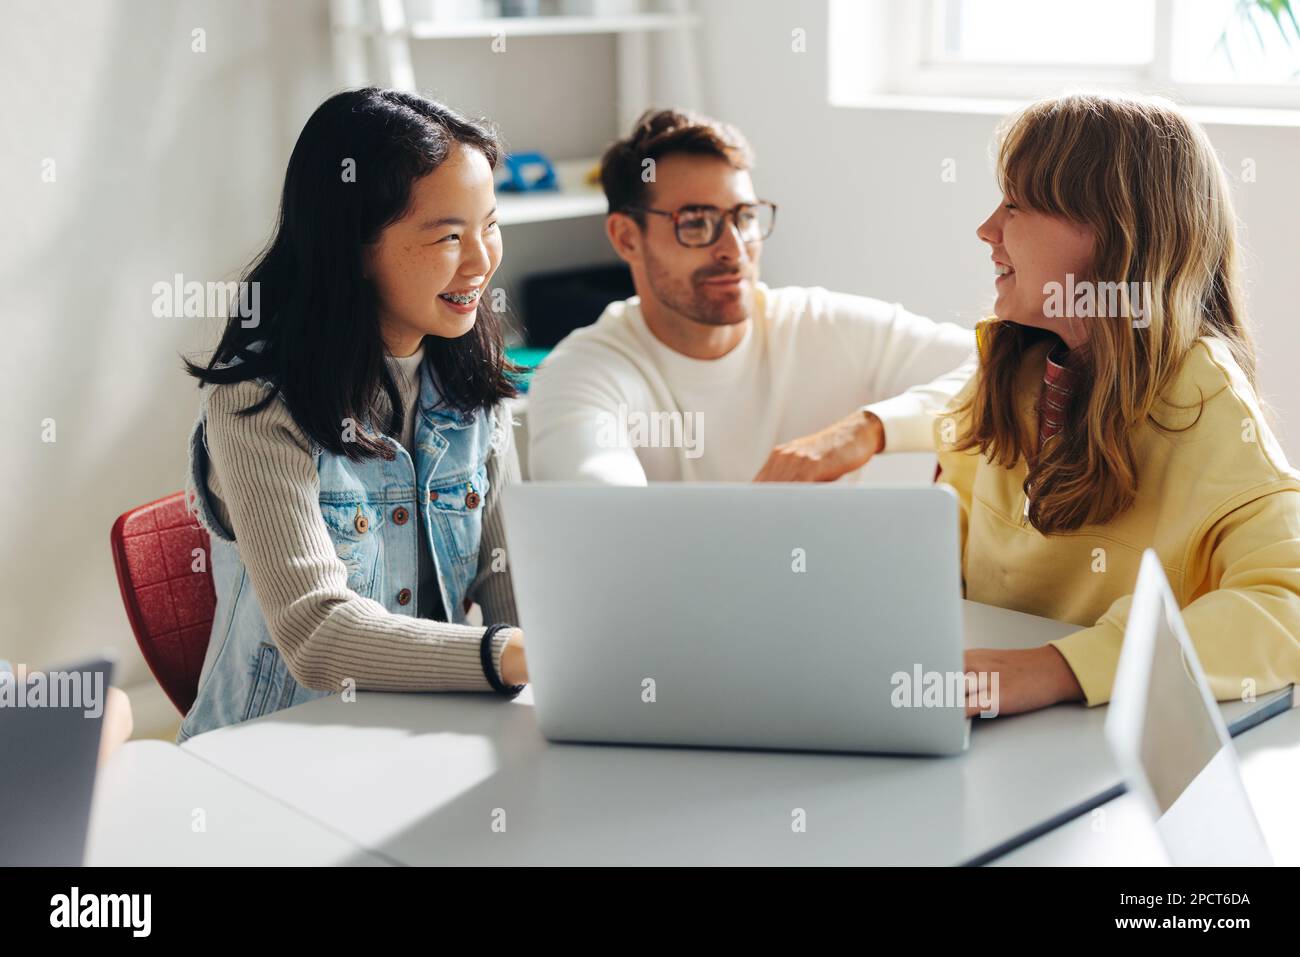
{"type": "Point", "coordinates": [1030, 250]}
{"type": "Point", "coordinates": [431, 267]}
{"type": "Point", "coordinates": [710, 285]}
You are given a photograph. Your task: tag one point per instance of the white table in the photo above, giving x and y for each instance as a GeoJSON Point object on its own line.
{"type": "Point", "coordinates": [1121, 833]}
{"type": "Point", "coordinates": [150, 794]}
{"type": "Point", "coordinates": [422, 779]}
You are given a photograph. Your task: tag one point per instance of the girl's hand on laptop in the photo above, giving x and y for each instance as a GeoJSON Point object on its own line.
{"type": "Point", "coordinates": [826, 455]}
{"type": "Point", "coordinates": [1012, 681]}
{"type": "Point", "coordinates": [514, 667]}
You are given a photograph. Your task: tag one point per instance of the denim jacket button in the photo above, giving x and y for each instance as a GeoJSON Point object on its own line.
{"type": "Point", "coordinates": [472, 500]}
{"type": "Point", "coordinates": [362, 524]}
{"type": "Point", "coordinates": [433, 496]}
{"type": "Point", "coordinates": [400, 515]}
{"type": "Point", "coordinates": [404, 596]}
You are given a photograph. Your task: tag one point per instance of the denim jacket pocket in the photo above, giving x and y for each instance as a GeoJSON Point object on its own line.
{"type": "Point", "coordinates": [460, 525]}
{"type": "Point", "coordinates": [354, 528]}
{"type": "Point", "coordinates": [262, 687]}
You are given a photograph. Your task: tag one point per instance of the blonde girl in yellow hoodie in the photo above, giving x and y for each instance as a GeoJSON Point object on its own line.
{"type": "Point", "coordinates": [1114, 410]}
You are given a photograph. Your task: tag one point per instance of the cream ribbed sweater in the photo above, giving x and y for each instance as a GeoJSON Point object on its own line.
{"type": "Point", "coordinates": [265, 489]}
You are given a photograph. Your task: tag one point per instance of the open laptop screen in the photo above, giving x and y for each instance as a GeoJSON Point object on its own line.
{"type": "Point", "coordinates": [50, 724]}
{"type": "Point", "coordinates": [1169, 738]}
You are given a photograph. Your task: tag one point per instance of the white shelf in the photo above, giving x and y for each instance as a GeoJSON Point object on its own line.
{"type": "Point", "coordinates": [516, 208]}
{"type": "Point", "coordinates": [574, 198]}
{"type": "Point", "coordinates": [387, 61]}
{"type": "Point", "coordinates": [550, 26]}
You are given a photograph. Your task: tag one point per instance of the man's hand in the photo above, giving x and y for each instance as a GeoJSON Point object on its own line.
{"type": "Point", "coordinates": [826, 455]}
{"type": "Point", "coordinates": [1011, 681]}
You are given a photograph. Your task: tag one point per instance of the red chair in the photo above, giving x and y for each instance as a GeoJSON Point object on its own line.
{"type": "Point", "coordinates": [169, 605]}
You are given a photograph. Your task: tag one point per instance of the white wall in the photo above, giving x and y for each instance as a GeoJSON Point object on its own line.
{"type": "Point", "coordinates": [166, 160]}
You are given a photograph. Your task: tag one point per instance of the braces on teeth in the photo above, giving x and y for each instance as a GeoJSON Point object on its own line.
{"type": "Point", "coordinates": [461, 299]}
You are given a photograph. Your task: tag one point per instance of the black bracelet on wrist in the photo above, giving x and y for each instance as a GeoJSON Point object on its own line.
{"type": "Point", "coordinates": [489, 669]}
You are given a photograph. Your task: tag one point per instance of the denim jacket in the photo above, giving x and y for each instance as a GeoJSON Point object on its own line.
{"type": "Point", "coordinates": [443, 489]}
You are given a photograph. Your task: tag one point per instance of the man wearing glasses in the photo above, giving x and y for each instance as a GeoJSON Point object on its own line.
{"type": "Point", "coordinates": [709, 375]}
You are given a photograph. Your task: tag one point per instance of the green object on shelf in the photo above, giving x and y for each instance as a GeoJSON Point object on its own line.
{"type": "Point", "coordinates": [527, 357]}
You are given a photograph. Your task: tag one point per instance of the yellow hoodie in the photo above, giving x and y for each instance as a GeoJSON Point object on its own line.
{"type": "Point", "coordinates": [1218, 503]}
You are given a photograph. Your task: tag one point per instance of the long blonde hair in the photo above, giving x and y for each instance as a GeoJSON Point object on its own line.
{"type": "Point", "coordinates": [1147, 182]}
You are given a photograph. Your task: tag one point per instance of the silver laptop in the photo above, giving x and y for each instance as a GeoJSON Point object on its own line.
{"type": "Point", "coordinates": [49, 745]}
{"type": "Point", "coordinates": [1168, 736]}
{"type": "Point", "coordinates": [754, 616]}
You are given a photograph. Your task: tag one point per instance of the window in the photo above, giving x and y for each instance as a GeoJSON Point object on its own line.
{"type": "Point", "coordinates": [1213, 52]}
{"type": "Point", "coordinates": [1231, 42]}
{"type": "Point", "coordinates": [1033, 32]}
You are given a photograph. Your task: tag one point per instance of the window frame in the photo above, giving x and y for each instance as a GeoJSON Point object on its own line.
{"type": "Point", "coordinates": [918, 71]}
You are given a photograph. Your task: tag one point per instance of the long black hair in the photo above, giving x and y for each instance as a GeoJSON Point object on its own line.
{"type": "Point", "coordinates": [318, 315]}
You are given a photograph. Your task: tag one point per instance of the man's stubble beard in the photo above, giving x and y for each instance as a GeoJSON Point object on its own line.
{"type": "Point", "coordinates": [687, 302]}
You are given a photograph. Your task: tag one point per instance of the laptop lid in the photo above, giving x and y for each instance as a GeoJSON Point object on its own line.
{"type": "Point", "coordinates": [1169, 739]}
{"type": "Point", "coordinates": [742, 615]}
{"type": "Point", "coordinates": [50, 725]}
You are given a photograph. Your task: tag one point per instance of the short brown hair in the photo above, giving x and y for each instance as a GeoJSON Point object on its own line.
{"type": "Point", "coordinates": [659, 133]}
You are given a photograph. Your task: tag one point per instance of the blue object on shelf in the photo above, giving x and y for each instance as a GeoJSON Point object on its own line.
{"type": "Point", "coordinates": [526, 172]}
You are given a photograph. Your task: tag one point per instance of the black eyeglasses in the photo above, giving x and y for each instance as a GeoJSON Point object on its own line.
{"type": "Point", "coordinates": [698, 226]}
